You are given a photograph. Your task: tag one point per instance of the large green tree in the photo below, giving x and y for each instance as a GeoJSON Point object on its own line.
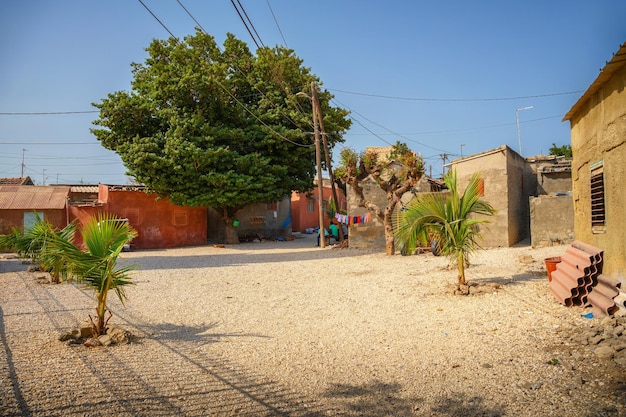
{"type": "Point", "coordinates": [218, 127]}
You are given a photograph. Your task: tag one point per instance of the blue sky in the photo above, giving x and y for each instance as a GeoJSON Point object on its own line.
{"type": "Point", "coordinates": [444, 76]}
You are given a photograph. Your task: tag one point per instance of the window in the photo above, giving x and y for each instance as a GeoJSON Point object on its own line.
{"type": "Point", "coordinates": [133, 216]}
{"type": "Point", "coordinates": [31, 217]}
{"type": "Point", "coordinates": [598, 218]}
{"type": "Point", "coordinates": [311, 206]}
{"type": "Point", "coordinates": [180, 218]}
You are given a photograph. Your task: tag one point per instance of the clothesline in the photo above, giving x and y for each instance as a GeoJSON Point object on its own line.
{"type": "Point", "coordinates": [352, 220]}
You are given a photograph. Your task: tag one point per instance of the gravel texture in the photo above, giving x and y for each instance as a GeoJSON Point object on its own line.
{"type": "Point", "coordinates": [288, 329]}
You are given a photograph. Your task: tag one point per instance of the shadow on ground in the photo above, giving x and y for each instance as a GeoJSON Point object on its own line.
{"type": "Point", "coordinates": [379, 399]}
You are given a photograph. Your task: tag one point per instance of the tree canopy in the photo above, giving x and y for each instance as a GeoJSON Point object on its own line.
{"type": "Point", "coordinates": [396, 173]}
{"type": "Point", "coordinates": [218, 127]}
{"type": "Point", "coordinates": [565, 150]}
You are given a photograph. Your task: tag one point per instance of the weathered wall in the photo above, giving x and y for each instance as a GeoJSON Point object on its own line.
{"type": "Point", "coordinates": [551, 220]}
{"type": "Point", "coordinates": [302, 218]}
{"type": "Point", "coordinates": [493, 169]}
{"type": "Point", "coordinates": [598, 129]}
{"type": "Point", "coordinates": [369, 235]}
{"type": "Point", "coordinates": [554, 182]}
{"type": "Point", "coordinates": [15, 218]}
{"type": "Point", "coordinates": [522, 184]}
{"type": "Point", "coordinates": [159, 223]}
{"type": "Point", "coordinates": [270, 220]}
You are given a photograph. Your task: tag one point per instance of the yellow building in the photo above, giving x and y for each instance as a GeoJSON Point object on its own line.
{"type": "Point", "coordinates": [598, 134]}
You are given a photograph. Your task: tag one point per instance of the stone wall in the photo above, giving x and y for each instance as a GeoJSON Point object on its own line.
{"type": "Point", "coordinates": [551, 220]}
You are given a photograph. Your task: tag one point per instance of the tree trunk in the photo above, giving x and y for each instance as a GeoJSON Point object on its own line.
{"type": "Point", "coordinates": [390, 245]}
{"type": "Point", "coordinates": [460, 258]}
{"type": "Point", "coordinates": [231, 236]}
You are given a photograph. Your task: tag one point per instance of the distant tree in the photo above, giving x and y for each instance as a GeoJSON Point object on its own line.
{"type": "Point", "coordinates": [450, 218]}
{"type": "Point", "coordinates": [224, 129]}
{"type": "Point", "coordinates": [394, 179]}
{"type": "Point", "coordinates": [565, 150]}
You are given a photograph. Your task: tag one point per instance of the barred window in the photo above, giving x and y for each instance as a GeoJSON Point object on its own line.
{"type": "Point", "coordinates": [598, 218]}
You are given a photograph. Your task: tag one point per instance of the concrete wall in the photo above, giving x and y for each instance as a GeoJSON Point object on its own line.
{"type": "Point", "coordinates": [551, 220]}
{"type": "Point", "coordinates": [508, 183]}
{"type": "Point", "coordinates": [492, 167]}
{"type": "Point", "coordinates": [598, 130]}
{"type": "Point", "coordinates": [369, 235]}
{"type": "Point", "coordinates": [159, 223]}
{"type": "Point", "coordinates": [15, 218]}
{"type": "Point", "coordinates": [302, 218]}
{"type": "Point", "coordinates": [270, 220]}
{"type": "Point", "coordinates": [522, 182]}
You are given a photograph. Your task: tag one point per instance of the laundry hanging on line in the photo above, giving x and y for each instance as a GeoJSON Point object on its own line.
{"type": "Point", "coordinates": [352, 220]}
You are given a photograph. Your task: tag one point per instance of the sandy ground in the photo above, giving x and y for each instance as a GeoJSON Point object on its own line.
{"type": "Point", "coordinates": [288, 329]}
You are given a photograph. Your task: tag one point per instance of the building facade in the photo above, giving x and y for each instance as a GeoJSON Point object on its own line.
{"type": "Point", "coordinates": [598, 134]}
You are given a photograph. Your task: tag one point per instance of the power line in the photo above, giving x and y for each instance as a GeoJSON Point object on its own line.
{"type": "Point", "coordinates": [437, 132]}
{"type": "Point", "coordinates": [49, 143]}
{"type": "Point", "coordinates": [245, 24]}
{"type": "Point", "coordinates": [190, 15]}
{"type": "Point", "coordinates": [221, 85]}
{"type": "Point", "coordinates": [45, 113]}
{"type": "Point", "coordinates": [276, 21]}
{"type": "Point", "coordinates": [454, 99]}
{"type": "Point", "coordinates": [157, 19]}
{"type": "Point", "coordinates": [396, 134]}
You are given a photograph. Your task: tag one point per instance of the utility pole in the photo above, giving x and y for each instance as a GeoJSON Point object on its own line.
{"type": "Point", "coordinates": [444, 157]}
{"type": "Point", "coordinates": [318, 111]}
{"type": "Point", "coordinates": [318, 161]}
{"type": "Point", "coordinates": [23, 150]}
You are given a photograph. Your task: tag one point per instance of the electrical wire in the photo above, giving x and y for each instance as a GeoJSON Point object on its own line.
{"type": "Point", "coordinates": [276, 21]}
{"type": "Point", "coordinates": [157, 19]}
{"type": "Point", "coordinates": [262, 94]}
{"type": "Point", "coordinates": [190, 15]}
{"type": "Point", "coordinates": [222, 86]}
{"type": "Point", "coordinates": [45, 113]}
{"type": "Point", "coordinates": [245, 24]}
{"type": "Point", "coordinates": [454, 99]}
{"type": "Point", "coordinates": [390, 131]}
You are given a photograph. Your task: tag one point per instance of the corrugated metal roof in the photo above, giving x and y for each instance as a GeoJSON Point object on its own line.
{"type": "Point", "coordinates": [617, 62]}
{"type": "Point", "coordinates": [32, 197]}
{"type": "Point", "coordinates": [84, 188]}
{"type": "Point", "coordinates": [578, 280]}
{"type": "Point", "coordinates": [16, 181]}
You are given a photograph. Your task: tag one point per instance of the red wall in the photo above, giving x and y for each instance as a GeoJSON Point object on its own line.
{"type": "Point", "coordinates": [159, 224]}
{"type": "Point", "coordinates": [302, 218]}
{"type": "Point", "coordinates": [15, 218]}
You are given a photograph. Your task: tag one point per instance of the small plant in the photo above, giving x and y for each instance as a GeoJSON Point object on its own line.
{"type": "Point", "coordinates": [450, 218]}
{"type": "Point", "coordinates": [553, 362]}
{"type": "Point", "coordinates": [96, 267]}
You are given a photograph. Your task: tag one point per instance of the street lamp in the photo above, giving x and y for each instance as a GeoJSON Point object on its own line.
{"type": "Point", "coordinates": [519, 138]}
{"type": "Point", "coordinates": [462, 149]}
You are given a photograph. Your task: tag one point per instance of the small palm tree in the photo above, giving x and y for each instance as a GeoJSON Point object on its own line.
{"type": "Point", "coordinates": [96, 266]}
{"type": "Point", "coordinates": [32, 244]}
{"type": "Point", "coordinates": [449, 218]}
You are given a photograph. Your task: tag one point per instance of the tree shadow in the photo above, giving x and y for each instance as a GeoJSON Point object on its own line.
{"type": "Point", "coordinates": [461, 405]}
{"type": "Point", "coordinates": [385, 399]}
{"type": "Point", "coordinates": [375, 398]}
{"type": "Point", "coordinates": [13, 265]}
{"type": "Point", "coordinates": [146, 260]}
{"type": "Point", "coordinates": [181, 333]}
{"type": "Point", "coordinates": [171, 373]}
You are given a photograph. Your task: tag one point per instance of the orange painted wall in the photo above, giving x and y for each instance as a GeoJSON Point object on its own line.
{"type": "Point", "coordinates": [302, 218]}
{"type": "Point", "coordinates": [159, 223]}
